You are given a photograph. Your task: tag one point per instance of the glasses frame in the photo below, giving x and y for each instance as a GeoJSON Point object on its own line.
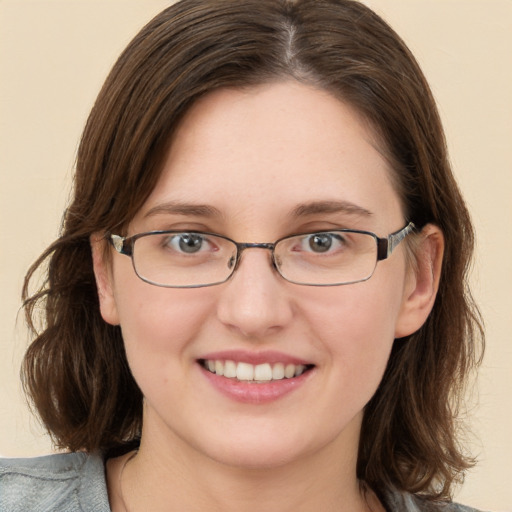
{"type": "Point", "coordinates": [385, 247]}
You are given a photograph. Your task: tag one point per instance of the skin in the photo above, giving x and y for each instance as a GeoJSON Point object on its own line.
{"type": "Point", "coordinates": [255, 156]}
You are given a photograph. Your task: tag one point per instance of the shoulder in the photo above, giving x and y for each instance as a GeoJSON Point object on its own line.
{"type": "Point", "coordinates": [405, 502]}
{"type": "Point", "coordinates": [58, 483]}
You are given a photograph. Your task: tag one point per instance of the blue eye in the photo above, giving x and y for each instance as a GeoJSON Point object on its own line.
{"type": "Point", "coordinates": [189, 243]}
{"type": "Point", "coordinates": [322, 242]}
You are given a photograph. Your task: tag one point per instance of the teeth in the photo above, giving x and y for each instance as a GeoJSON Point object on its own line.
{"type": "Point", "coordinates": [289, 371]}
{"type": "Point", "coordinates": [244, 371]}
{"type": "Point", "coordinates": [229, 369]}
{"type": "Point", "coordinates": [219, 367]}
{"type": "Point", "coordinates": [256, 373]}
{"type": "Point", "coordinates": [299, 370]}
{"type": "Point", "coordinates": [263, 372]}
{"type": "Point", "coordinates": [278, 371]}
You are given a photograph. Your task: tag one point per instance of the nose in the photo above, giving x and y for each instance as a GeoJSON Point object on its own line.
{"type": "Point", "coordinates": [256, 301]}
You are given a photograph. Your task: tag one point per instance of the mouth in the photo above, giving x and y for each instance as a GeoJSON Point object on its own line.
{"type": "Point", "coordinates": [254, 373]}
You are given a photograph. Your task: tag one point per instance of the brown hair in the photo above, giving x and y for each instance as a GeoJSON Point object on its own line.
{"type": "Point", "coordinates": [76, 371]}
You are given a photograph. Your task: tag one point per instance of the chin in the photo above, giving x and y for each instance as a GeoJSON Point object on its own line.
{"type": "Point", "coordinates": [270, 446]}
{"type": "Point", "coordinates": [258, 458]}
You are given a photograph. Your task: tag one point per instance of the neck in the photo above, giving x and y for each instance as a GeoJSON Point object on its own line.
{"type": "Point", "coordinates": [155, 478]}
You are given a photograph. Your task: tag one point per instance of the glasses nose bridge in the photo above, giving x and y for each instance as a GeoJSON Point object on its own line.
{"type": "Point", "coordinates": [249, 245]}
{"type": "Point", "coordinates": [241, 247]}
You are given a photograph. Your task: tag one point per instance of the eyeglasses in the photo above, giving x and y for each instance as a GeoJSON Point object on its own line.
{"type": "Point", "coordinates": [192, 259]}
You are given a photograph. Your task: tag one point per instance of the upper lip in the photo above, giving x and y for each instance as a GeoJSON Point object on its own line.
{"type": "Point", "coordinates": [253, 357]}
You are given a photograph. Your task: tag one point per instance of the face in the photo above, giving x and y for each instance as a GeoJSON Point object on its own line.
{"type": "Point", "coordinates": [257, 165]}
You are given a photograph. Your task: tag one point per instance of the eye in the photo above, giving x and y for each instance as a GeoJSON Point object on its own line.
{"type": "Point", "coordinates": [322, 242]}
{"type": "Point", "coordinates": [190, 243]}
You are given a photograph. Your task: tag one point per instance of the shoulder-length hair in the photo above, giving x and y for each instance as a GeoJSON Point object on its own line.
{"type": "Point", "coordinates": [76, 372]}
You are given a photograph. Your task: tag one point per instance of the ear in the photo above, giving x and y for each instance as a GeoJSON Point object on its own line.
{"type": "Point", "coordinates": [422, 282]}
{"type": "Point", "coordinates": [104, 279]}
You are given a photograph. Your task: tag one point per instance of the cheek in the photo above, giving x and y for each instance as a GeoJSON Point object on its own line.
{"type": "Point", "coordinates": [355, 327]}
{"type": "Point", "coordinates": [158, 325]}
{"type": "Point", "coordinates": [363, 313]}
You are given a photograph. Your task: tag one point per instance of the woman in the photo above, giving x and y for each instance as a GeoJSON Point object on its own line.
{"type": "Point", "coordinates": [258, 299]}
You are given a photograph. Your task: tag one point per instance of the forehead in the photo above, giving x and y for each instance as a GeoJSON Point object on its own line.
{"type": "Point", "coordinates": [270, 148]}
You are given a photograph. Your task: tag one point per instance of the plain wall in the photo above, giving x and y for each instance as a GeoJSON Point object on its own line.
{"type": "Point", "coordinates": [54, 56]}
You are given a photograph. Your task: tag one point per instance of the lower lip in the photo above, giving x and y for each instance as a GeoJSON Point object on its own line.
{"type": "Point", "coordinates": [253, 392]}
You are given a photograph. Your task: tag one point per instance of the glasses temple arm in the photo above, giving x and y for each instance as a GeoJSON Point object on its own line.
{"type": "Point", "coordinates": [385, 246]}
{"type": "Point", "coordinates": [120, 244]}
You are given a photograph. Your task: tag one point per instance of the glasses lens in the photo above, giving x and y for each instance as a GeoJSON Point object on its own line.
{"type": "Point", "coordinates": [327, 258]}
{"type": "Point", "coordinates": [183, 259]}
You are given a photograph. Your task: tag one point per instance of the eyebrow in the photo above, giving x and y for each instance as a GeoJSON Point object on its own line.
{"type": "Point", "coordinates": [176, 208]}
{"type": "Point", "coordinates": [318, 207]}
{"type": "Point", "coordinates": [302, 210]}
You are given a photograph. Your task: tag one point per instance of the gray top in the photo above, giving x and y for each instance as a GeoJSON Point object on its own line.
{"type": "Point", "coordinates": [75, 482]}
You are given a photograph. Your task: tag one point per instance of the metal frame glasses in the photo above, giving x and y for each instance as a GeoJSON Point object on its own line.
{"type": "Point", "coordinates": [193, 259]}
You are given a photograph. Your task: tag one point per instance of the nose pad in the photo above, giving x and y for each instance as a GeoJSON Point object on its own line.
{"type": "Point", "coordinates": [277, 262]}
{"type": "Point", "coordinates": [234, 261]}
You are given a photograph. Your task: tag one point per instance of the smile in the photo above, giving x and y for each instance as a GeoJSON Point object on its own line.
{"type": "Point", "coordinates": [258, 373]}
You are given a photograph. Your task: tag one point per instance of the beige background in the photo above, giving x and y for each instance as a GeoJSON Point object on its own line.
{"type": "Point", "coordinates": [54, 56]}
